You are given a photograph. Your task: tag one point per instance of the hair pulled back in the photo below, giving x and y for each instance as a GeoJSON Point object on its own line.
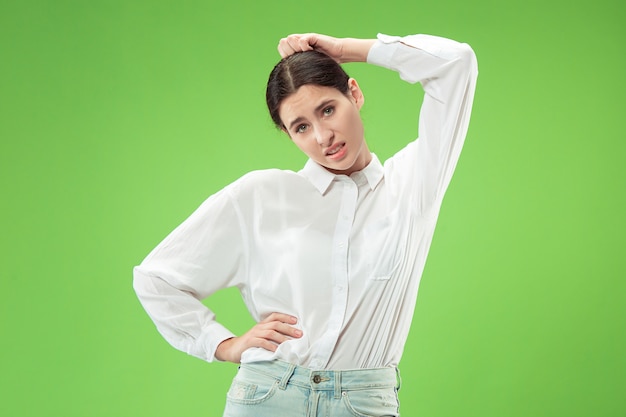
{"type": "Point", "coordinates": [302, 68]}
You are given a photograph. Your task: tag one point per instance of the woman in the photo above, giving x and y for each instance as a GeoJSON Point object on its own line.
{"type": "Point", "coordinates": [327, 259]}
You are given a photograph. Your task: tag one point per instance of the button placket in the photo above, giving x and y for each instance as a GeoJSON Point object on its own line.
{"type": "Point", "coordinates": [339, 271]}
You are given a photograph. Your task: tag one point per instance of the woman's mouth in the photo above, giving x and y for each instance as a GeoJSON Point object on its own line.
{"type": "Point", "coordinates": [336, 151]}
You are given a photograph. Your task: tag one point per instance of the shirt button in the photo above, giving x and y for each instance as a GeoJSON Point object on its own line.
{"type": "Point", "coordinates": [317, 379]}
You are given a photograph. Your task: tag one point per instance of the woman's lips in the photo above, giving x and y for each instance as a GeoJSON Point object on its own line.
{"type": "Point", "coordinates": [337, 151]}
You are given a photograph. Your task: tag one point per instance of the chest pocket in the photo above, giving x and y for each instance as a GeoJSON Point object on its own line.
{"type": "Point", "coordinates": [383, 251]}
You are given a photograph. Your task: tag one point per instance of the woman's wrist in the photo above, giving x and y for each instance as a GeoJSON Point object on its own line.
{"type": "Point", "coordinates": [221, 353]}
{"type": "Point", "coordinates": [356, 50]}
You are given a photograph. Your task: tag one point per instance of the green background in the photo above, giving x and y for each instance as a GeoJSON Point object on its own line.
{"type": "Point", "coordinates": [118, 118]}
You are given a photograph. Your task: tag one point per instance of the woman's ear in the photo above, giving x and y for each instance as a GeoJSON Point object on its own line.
{"type": "Point", "coordinates": [355, 93]}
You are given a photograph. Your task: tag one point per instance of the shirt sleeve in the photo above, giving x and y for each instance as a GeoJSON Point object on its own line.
{"type": "Point", "coordinates": [204, 254]}
{"type": "Point", "coordinates": [447, 70]}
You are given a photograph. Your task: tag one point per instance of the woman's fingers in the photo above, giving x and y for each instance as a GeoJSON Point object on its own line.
{"type": "Point", "coordinates": [273, 338]}
{"type": "Point", "coordinates": [279, 332]}
{"type": "Point", "coordinates": [311, 41]}
{"type": "Point", "coordinates": [306, 42]}
{"type": "Point", "coordinates": [278, 328]}
{"type": "Point", "coordinates": [288, 46]}
{"type": "Point", "coordinates": [295, 43]}
{"type": "Point", "coordinates": [274, 330]}
{"type": "Point", "coordinates": [267, 334]}
{"type": "Point", "coordinates": [280, 317]}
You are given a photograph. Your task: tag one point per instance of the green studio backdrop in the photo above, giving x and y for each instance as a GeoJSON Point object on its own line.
{"type": "Point", "coordinates": [118, 118]}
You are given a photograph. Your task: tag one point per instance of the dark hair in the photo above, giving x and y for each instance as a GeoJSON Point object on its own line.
{"type": "Point", "coordinates": [301, 68]}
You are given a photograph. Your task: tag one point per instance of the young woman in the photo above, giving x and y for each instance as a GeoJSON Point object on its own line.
{"type": "Point", "coordinates": [327, 259]}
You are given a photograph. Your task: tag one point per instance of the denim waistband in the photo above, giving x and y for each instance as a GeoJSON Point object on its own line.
{"type": "Point", "coordinates": [324, 380]}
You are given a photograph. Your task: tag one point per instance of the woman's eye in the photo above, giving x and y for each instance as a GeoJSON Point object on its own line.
{"type": "Point", "coordinates": [301, 129]}
{"type": "Point", "coordinates": [328, 111]}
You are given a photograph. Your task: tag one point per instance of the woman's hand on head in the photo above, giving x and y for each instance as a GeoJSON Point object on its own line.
{"type": "Point", "coordinates": [310, 42]}
{"type": "Point", "coordinates": [340, 49]}
{"type": "Point", "coordinates": [267, 334]}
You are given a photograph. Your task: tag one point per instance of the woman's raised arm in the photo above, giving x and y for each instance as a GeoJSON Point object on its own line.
{"type": "Point", "coordinates": [340, 49]}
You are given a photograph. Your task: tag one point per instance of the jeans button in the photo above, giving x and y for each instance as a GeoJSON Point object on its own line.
{"type": "Point", "coordinates": [317, 379]}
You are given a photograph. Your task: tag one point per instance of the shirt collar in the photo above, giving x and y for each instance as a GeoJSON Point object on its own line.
{"type": "Point", "coordinates": [321, 178]}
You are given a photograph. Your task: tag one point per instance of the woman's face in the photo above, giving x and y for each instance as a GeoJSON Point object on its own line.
{"type": "Point", "coordinates": [326, 125]}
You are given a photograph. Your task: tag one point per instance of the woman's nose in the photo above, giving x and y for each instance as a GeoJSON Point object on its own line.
{"type": "Point", "coordinates": [324, 136]}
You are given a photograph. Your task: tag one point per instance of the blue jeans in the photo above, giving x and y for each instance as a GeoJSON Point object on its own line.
{"type": "Point", "coordinates": [277, 389]}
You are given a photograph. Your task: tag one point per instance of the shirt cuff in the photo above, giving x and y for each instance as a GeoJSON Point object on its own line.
{"type": "Point", "coordinates": [214, 335]}
{"type": "Point", "coordinates": [382, 51]}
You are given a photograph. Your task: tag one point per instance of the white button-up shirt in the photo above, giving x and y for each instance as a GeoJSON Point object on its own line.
{"type": "Point", "coordinates": [344, 254]}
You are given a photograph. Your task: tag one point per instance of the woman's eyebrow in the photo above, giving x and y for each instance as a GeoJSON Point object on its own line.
{"type": "Point", "coordinates": [317, 109]}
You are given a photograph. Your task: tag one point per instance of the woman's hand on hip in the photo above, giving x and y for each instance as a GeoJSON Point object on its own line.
{"type": "Point", "coordinates": [340, 49]}
{"type": "Point", "coordinates": [267, 334]}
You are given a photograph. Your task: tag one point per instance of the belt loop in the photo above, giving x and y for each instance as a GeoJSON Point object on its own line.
{"type": "Point", "coordinates": [337, 384]}
{"type": "Point", "coordinates": [282, 384]}
{"type": "Point", "coordinates": [398, 379]}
